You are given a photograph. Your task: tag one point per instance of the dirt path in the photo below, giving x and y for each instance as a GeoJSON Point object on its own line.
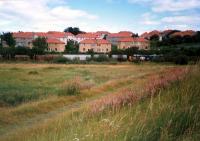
{"type": "Point", "coordinates": [41, 118]}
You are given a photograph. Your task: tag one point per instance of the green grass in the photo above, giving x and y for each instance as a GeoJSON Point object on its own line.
{"type": "Point", "coordinates": [173, 114]}
{"type": "Point", "coordinates": [21, 83]}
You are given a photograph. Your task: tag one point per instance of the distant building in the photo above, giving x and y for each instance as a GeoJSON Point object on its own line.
{"type": "Point", "coordinates": [62, 36]}
{"type": "Point", "coordinates": [113, 38]}
{"type": "Point", "coordinates": [140, 43]}
{"type": "Point", "coordinates": [84, 36]}
{"type": "Point", "coordinates": [184, 33]}
{"type": "Point", "coordinates": [55, 45]}
{"type": "Point", "coordinates": [148, 36]}
{"type": "Point", "coordinates": [97, 45]}
{"type": "Point", "coordinates": [24, 39]}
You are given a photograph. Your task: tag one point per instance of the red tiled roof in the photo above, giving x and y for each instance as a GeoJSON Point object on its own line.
{"type": "Point", "coordinates": [58, 34]}
{"type": "Point", "coordinates": [87, 35]}
{"type": "Point", "coordinates": [23, 34]}
{"type": "Point", "coordinates": [54, 41]}
{"type": "Point", "coordinates": [167, 31]}
{"type": "Point", "coordinates": [69, 34]}
{"type": "Point", "coordinates": [154, 32]}
{"type": "Point", "coordinates": [184, 33]}
{"type": "Point", "coordinates": [126, 33]}
{"type": "Point", "coordinates": [144, 35]}
{"type": "Point", "coordinates": [133, 40]}
{"type": "Point", "coordinates": [130, 39]}
{"type": "Point", "coordinates": [140, 40]}
{"type": "Point", "coordinates": [150, 34]}
{"type": "Point", "coordinates": [95, 41]}
{"type": "Point", "coordinates": [41, 34]}
{"type": "Point", "coordinates": [119, 35]}
{"type": "Point", "coordinates": [103, 32]}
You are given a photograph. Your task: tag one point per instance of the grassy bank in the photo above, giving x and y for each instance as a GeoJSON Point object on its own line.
{"type": "Point", "coordinates": [172, 114]}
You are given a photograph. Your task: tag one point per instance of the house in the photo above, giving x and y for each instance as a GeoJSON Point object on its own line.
{"type": "Point", "coordinates": [55, 45]}
{"type": "Point", "coordinates": [84, 36]}
{"type": "Point", "coordinates": [113, 38]}
{"type": "Point", "coordinates": [24, 39]}
{"type": "Point", "coordinates": [140, 43]}
{"type": "Point", "coordinates": [62, 36]}
{"type": "Point", "coordinates": [184, 33]}
{"type": "Point", "coordinates": [97, 45]}
{"type": "Point", "coordinates": [154, 33]}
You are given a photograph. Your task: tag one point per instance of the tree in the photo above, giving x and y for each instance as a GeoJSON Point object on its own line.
{"type": "Point", "coordinates": [131, 51]}
{"type": "Point", "coordinates": [135, 35]}
{"type": "Point", "coordinates": [197, 37]}
{"type": "Point", "coordinates": [40, 43]}
{"type": "Point", "coordinates": [176, 40]}
{"type": "Point", "coordinates": [8, 38]}
{"type": "Point", "coordinates": [21, 50]}
{"type": "Point", "coordinates": [39, 47]}
{"type": "Point", "coordinates": [72, 47]}
{"type": "Point", "coordinates": [187, 39]}
{"type": "Point", "coordinates": [154, 38]}
{"type": "Point", "coordinates": [74, 30]}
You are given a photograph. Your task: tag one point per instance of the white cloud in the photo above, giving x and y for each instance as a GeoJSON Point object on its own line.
{"type": "Point", "coordinates": [181, 19]}
{"type": "Point", "coordinates": [37, 15]}
{"type": "Point", "coordinates": [169, 5]}
{"type": "Point", "coordinates": [149, 19]}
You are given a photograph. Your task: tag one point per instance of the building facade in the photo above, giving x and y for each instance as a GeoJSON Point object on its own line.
{"type": "Point", "coordinates": [55, 45]}
{"type": "Point", "coordinates": [114, 38]}
{"type": "Point", "coordinates": [140, 43]}
{"type": "Point", "coordinates": [97, 45]}
{"type": "Point", "coordinates": [24, 39]}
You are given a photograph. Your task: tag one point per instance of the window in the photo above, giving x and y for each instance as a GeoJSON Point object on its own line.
{"type": "Point", "coordinates": [83, 49]}
{"type": "Point", "coordinates": [107, 49]}
{"type": "Point", "coordinates": [56, 49]}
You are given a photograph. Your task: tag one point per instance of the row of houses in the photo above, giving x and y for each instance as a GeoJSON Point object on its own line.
{"type": "Point", "coordinates": [99, 42]}
{"type": "Point", "coordinates": [167, 33]}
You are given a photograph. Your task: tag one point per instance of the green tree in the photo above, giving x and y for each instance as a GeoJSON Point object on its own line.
{"type": "Point", "coordinates": [39, 47]}
{"type": "Point", "coordinates": [40, 43]}
{"type": "Point", "coordinates": [131, 51]}
{"type": "Point", "coordinates": [22, 51]}
{"type": "Point", "coordinates": [73, 30]}
{"type": "Point", "coordinates": [72, 47]}
{"type": "Point", "coordinates": [8, 38]}
{"type": "Point", "coordinates": [197, 37]}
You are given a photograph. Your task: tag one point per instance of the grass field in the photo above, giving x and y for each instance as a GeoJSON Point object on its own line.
{"type": "Point", "coordinates": [115, 102]}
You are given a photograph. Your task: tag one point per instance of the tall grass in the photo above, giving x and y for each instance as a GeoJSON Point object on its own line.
{"type": "Point", "coordinates": [170, 113]}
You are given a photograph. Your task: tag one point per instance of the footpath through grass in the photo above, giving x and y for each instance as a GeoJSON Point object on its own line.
{"type": "Point", "coordinates": [173, 113]}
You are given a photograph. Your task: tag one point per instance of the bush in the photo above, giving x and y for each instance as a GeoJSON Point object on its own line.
{"type": "Point", "coordinates": [71, 88]}
{"type": "Point", "coordinates": [181, 60]}
{"type": "Point", "coordinates": [17, 98]}
{"type": "Point", "coordinates": [33, 72]}
{"type": "Point", "coordinates": [60, 60]}
{"type": "Point", "coordinates": [101, 58]}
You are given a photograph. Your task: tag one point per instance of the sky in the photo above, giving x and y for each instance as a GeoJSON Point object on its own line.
{"type": "Point", "coordinates": [137, 16]}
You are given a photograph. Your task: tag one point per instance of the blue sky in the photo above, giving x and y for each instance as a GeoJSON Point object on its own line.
{"type": "Point", "coordinates": [92, 15]}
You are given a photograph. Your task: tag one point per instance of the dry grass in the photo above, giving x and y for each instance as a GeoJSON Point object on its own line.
{"type": "Point", "coordinates": [94, 84]}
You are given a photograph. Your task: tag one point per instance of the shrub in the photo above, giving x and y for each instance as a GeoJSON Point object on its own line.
{"type": "Point", "coordinates": [181, 60]}
{"type": "Point", "coordinates": [17, 98]}
{"type": "Point", "coordinates": [61, 60]}
{"type": "Point", "coordinates": [121, 58]}
{"type": "Point", "coordinates": [70, 88]}
{"type": "Point", "coordinates": [101, 58]}
{"type": "Point", "coordinates": [136, 61]}
{"type": "Point", "coordinates": [33, 72]}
